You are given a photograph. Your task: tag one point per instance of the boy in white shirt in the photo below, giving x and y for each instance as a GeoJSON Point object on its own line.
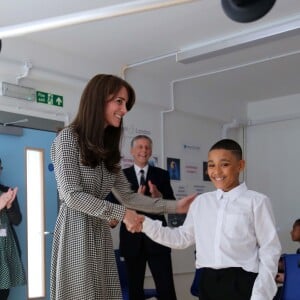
{"type": "Point", "coordinates": [234, 230]}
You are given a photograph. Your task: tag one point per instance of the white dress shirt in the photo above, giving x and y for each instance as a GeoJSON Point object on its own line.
{"type": "Point", "coordinates": [230, 229]}
{"type": "Point", "coordinates": [138, 172]}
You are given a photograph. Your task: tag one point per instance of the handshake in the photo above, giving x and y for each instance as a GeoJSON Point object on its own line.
{"type": "Point", "coordinates": [133, 221]}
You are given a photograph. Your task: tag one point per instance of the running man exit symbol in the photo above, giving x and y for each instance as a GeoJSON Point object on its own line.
{"type": "Point", "coordinates": [48, 98]}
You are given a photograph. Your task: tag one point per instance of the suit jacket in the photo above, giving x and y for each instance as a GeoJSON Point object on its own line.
{"type": "Point", "coordinates": [132, 243]}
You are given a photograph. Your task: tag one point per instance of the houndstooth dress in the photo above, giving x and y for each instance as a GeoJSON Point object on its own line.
{"type": "Point", "coordinates": [83, 264]}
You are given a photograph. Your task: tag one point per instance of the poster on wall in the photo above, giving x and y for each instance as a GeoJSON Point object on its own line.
{"type": "Point", "coordinates": [126, 162]}
{"type": "Point", "coordinates": [175, 220]}
{"type": "Point", "coordinates": [205, 174]}
{"type": "Point", "coordinates": [192, 170]}
{"type": "Point", "coordinates": [174, 168]}
{"type": "Point", "coordinates": [153, 161]}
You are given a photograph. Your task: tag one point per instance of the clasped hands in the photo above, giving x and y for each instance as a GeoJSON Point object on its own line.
{"type": "Point", "coordinates": [133, 221]}
{"type": "Point", "coordinates": [7, 198]}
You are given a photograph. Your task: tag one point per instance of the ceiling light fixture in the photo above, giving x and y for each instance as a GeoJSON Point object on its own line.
{"type": "Point", "coordinates": [17, 91]}
{"type": "Point", "coordinates": [244, 11]}
{"type": "Point", "coordinates": [238, 42]}
{"type": "Point", "coordinates": [87, 16]}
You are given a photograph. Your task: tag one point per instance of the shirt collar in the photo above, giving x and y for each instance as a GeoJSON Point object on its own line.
{"type": "Point", "coordinates": [137, 169]}
{"type": "Point", "coordinates": [234, 193]}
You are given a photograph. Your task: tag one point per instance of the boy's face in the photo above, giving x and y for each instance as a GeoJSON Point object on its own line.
{"type": "Point", "coordinates": [223, 168]}
{"type": "Point", "coordinates": [295, 233]}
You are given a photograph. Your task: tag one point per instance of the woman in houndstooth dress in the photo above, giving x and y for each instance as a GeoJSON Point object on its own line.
{"type": "Point", "coordinates": [86, 158]}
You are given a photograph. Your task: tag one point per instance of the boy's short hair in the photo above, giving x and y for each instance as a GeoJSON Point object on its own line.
{"type": "Point", "coordinates": [228, 144]}
{"type": "Point", "coordinates": [297, 222]}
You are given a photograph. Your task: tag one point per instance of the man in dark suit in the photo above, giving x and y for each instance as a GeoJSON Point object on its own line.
{"type": "Point", "coordinates": [136, 248]}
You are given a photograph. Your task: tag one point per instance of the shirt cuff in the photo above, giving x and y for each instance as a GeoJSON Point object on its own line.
{"type": "Point", "coordinates": [147, 224]}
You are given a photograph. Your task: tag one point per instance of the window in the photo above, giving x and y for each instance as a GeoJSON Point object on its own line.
{"type": "Point", "coordinates": [35, 223]}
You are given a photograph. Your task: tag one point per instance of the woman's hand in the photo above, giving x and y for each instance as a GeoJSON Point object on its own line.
{"type": "Point", "coordinates": [7, 198]}
{"type": "Point", "coordinates": [113, 223]}
{"type": "Point", "coordinates": [13, 194]}
{"type": "Point", "coordinates": [182, 205]}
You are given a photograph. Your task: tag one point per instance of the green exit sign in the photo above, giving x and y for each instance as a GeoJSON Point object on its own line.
{"type": "Point", "coordinates": [51, 99]}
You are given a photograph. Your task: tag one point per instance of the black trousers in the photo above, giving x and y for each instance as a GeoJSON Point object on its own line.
{"type": "Point", "coordinates": [4, 294]}
{"type": "Point", "coordinates": [226, 284]}
{"type": "Point", "coordinates": [160, 266]}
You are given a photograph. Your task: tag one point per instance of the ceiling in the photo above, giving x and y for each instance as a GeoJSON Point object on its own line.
{"type": "Point", "coordinates": [239, 62]}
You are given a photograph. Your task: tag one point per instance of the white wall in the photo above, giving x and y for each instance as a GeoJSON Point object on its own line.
{"type": "Point", "coordinates": [273, 148]}
{"type": "Point", "coordinates": [216, 109]}
{"type": "Point", "coordinates": [276, 109]}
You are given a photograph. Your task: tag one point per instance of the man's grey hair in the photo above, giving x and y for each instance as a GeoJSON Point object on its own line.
{"type": "Point", "coordinates": [141, 136]}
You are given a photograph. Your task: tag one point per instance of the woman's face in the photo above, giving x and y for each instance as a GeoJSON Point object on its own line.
{"type": "Point", "coordinates": [116, 108]}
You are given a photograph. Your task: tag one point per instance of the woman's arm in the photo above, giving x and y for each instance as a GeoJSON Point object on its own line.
{"type": "Point", "coordinates": [14, 213]}
{"type": "Point", "coordinates": [140, 202]}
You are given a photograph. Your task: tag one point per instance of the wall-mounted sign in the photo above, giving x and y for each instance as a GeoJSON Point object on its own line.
{"type": "Point", "coordinates": [51, 99]}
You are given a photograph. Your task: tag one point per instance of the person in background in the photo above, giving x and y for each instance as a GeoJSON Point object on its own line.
{"type": "Point", "coordinates": [11, 269]}
{"type": "Point", "coordinates": [295, 233]}
{"type": "Point", "coordinates": [136, 248]}
{"type": "Point", "coordinates": [86, 160]}
{"type": "Point", "coordinates": [295, 236]}
{"type": "Point", "coordinates": [237, 246]}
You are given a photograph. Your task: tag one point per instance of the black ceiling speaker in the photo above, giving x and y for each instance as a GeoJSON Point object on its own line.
{"type": "Point", "coordinates": [244, 11]}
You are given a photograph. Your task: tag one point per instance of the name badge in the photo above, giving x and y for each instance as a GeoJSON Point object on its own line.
{"type": "Point", "coordinates": [3, 232]}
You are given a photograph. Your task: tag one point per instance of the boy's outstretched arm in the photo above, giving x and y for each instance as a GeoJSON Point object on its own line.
{"type": "Point", "coordinates": [178, 238]}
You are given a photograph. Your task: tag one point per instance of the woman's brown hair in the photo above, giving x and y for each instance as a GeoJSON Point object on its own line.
{"type": "Point", "coordinates": [99, 143]}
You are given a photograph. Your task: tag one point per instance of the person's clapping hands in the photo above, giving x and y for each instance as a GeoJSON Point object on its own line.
{"type": "Point", "coordinates": [7, 198]}
{"type": "Point", "coordinates": [133, 221]}
{"type": "Point", "coordinates": [142, 189]}
{"type": "Point", "coordinates": [155, 193]}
